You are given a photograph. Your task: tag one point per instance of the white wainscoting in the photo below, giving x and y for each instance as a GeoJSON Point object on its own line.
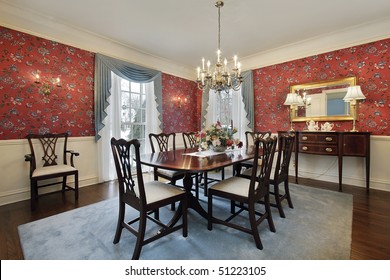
{"type": "Point", "coordinates": [14, 179]}
{"type": "Point", "coordinates": [14, 171]}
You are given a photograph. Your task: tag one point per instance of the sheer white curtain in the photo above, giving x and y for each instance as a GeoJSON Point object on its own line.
{"type": "Point", "coordinates": [152, 116]}
{"type": "Point", "coordinates": [112, 128]}
{"type": "Point", "coordinates": [238, 113]}
{"type": "Point", "coordinates": [212, 113]}
{"type": "Point", "coordinates": [239, 116]}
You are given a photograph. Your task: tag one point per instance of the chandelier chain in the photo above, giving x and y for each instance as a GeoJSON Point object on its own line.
{"type": "Point", "coordinates": [219, 27]}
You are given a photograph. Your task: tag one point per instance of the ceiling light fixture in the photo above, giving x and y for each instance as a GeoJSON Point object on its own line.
{"type": "Point", "coordinates": [219, 78]}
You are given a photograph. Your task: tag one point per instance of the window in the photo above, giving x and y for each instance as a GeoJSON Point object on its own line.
{"type": "Point", "coordinates": [228, 108]}
{"type": "Point", "coordinates": [224, 112]}
{"type": "Point", "coordinates": [127, 119]}
{"type": "Point", "coordinates": [133, 111]}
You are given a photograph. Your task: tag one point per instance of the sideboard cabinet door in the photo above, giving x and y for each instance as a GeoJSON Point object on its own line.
{"type": "Point", "coordinates": [356, 144]}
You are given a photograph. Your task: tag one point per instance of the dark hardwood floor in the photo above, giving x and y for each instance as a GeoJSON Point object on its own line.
{"type": "Point", "coordinates": [370, 227]}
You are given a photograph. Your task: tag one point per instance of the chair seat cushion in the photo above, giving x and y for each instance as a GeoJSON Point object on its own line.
{"type": "Point", "coordinates": [250, 162]}
{"type": "Point", "coordinates": [51, 170]}
{"type": "Point", "coordinates": [233, 185]}
{"type": "Point", "coordinates": [170, 173]}
{"type": "Point", "coordinates": [156, 191]}
{"type": "Point", "coordinates": [248, 172]}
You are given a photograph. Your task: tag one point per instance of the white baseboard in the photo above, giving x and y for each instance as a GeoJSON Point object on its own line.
{"type": "Point", "coordinates": [24, 192]}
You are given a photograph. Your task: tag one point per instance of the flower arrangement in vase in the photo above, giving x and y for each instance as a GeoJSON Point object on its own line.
{"type": "Point", "coordinates": [218, 138]}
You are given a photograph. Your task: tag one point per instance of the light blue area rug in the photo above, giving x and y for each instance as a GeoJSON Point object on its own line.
{"type": "Point", "coordinates": [319, 227]}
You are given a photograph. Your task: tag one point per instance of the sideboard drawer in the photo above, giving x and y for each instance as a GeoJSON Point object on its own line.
{"type": "Point", "coordinates": [318, 138]}
{"type": "Point", "coordinates": [318, 149]}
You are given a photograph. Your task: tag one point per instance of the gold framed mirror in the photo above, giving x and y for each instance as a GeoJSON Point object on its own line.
{"type": "Point", "coordinates": [323, 101]}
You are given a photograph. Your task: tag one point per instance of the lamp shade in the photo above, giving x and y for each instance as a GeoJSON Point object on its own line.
{"type": "Point", "coordinates": [354, 93]}
{"type": "Point", "coordinates": [291, 99]}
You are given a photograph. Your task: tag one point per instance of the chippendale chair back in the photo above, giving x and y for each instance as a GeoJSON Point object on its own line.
{"type": "Point", "coordinates": [251, 136]}
{"type": "Point", "coordinates": [164, 141]}
{"type": "Point", "coordinates": [189, 139]}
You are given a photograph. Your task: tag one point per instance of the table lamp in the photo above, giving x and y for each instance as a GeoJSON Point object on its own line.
{"type": "Point", "coordinates": [292, 101]}
{"type": "Point", "coordinates": [354, 93]}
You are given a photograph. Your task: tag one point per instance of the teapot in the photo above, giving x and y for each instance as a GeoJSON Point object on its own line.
{"type": "Point", "coordinates": [312, 125]}
{"type": "Point", "coordinates": [327, 126]}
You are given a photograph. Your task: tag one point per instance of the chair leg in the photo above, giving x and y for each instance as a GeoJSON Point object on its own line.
{"type": "Point", "coordinates": [205, 185]}
{"type": "Point", "coordinates": [253, 223]}
{"type": "Point", "coordinates": [268, 213]}
{"type": "Point", "coordinates": [232, 207]}
{"type": "Point", "coordinates": [197, 186]}
{"type": "Point", "coordinates": [287, 191]}
{"type": "Point", "coordinates": [278, 200]}
{"type": "Point", "coordinates": [140, 236]}
{"type": "Point", "coordinates": [210, 212]}
{"type": "Point", "coordinates": [119, 227]}
{"type": "Point", "coordinates": [173, 206]}
{"type": "Point", "coordinates": [185, 220]}
{"type": "Point", "coordinates": [33, 195]}
{"type": "Point", "coordinates": [76, 186]}
{"type": "Point", "coordinates": [64, 183]}
{"type": "Point", "coordinates": [157, 214]}
{"type": "Point", "coordinates": [155, 177]}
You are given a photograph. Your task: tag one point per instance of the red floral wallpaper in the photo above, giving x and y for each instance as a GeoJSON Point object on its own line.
{"type": "Point", "coordinates": [24, 107]}
{"type": "Point", "coordinates": [369, 62]}
{"type": "Point", "coordinates": [182, 118]}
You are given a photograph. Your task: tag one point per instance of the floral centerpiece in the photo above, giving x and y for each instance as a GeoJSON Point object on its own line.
{"type": "Point", "coordinates": [218, 138]}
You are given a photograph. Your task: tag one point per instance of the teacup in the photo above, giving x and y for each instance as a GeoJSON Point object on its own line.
{"type": "Point", "coordinates": [327, 126]}
{"type": "Point", "coordinates": [312, 125]}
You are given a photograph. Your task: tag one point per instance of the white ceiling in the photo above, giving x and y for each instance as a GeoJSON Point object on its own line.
{"type": "Point", "coordinates": [184, 31]}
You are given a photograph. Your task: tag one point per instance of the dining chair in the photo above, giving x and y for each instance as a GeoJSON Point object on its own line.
{"type": "Point", "coordinates": [247, 193]}
{"type": "Point", "coordinates": [49, 160]}
{"type": "Point", "coordinates": [250, 138]}
{"type": "Point", "coordinates": [165, 142]}
{"type": "Point", "coordinates": [190, 141]}
{"type": "Point", "coordinates": [285, 147]}
{"type": "Point", "coordinates": [146, 198]}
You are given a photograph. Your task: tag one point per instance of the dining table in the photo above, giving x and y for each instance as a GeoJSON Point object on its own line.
{"type": "Point", "coordinates": [192, 161]}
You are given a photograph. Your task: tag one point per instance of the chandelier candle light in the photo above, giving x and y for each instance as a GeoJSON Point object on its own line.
{"type": "Point", "coordinates": [219, 78]}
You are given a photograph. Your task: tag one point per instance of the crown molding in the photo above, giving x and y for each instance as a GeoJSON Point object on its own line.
{"type": "Point", "coordinates": [353, 36]}
{"type": "Point", "coordinates": [30, 22]}
{"type": "Point", "coordinates": [39, 25]}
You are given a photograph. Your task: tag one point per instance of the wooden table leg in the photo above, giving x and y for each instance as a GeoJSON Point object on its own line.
{"type": "Point", "coordinates": [192, 202]}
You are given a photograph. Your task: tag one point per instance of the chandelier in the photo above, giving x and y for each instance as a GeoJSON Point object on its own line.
{"type": "Point", "coordinates": [219, 77]}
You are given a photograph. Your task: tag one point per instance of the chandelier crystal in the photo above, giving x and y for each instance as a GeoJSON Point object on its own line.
{"type": "Point", "coordinates": [219, 77]}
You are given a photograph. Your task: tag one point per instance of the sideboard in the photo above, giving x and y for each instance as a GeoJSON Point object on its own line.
{"type": "Point", "coordinates": [334, 143]}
